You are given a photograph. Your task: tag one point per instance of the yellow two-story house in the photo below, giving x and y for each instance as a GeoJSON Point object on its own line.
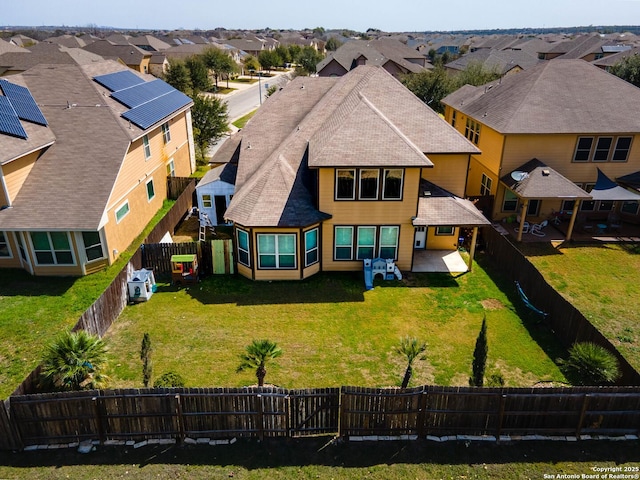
{"type": "Point", "coordinates": [84, 156]}
{"type": "Point", "coordinates": [543, 134]}
{"type": "Point", "coordinates": [333, 171]}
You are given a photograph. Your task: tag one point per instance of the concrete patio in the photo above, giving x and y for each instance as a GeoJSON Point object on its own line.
{"type": "Point", "coordinates": [587, 232]}
{"type": "Point", "coordinates": [441, 261]}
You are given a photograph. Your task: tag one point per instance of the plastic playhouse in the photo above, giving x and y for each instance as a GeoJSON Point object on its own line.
{"type": "Point", "coordinates": [386, 268]}
{"type": "Point", "coordinates": [184, 269]}
{"type": "Point", "coordinates": [142, 285]}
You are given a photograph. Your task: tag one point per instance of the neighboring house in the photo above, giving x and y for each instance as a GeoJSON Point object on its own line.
{"type": "Point", "coordinates": [12, 63]}
{"type": "Point", "coordinates": [22, 41]}
{"type": "Point", "coordinates": [586, 47]}
{"type": "Point", "coordinates": [215, 190]}
{"type": "Point", "coordinates": [394, 56]}
{"type": "Point", "coordinates": [86, 150]}
{"type": "Point", "coordinates": [158, 65]}
{"type": "Point", "coordinates": [132, 56]}
{"type": "Point", "coordinates": [332, 171]}
{"type": "Point", "coordinates": [251, 45]}
{"type": "Point", "coordinates": [568, 115]}
{"type": "Point", "coordinates": [6, 47]}
{"type": "Point", "coordinates": [149, 43]}
{"type": "Point", "coordinates": [607, 62]}
{"type": "Point", "coordinates": [72, 41]}
{"type": "Point", "coordinates": [502, 62]}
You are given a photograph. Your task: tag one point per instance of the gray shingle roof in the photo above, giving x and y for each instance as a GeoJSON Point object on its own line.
{"type": "Point", "coordinates": [365, 118]}
{"type": "Point", "coordinates": [558, 96]}
{"type": "Point", "coordinates": [442, 208]}
{"type": "Point", "coordinates": [542, 181]}
{"type": "Point", "coordinates": [499, 60]}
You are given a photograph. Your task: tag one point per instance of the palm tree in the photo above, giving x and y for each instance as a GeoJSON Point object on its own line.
{"type": "Point", "coordinates": [75, 361]}
{"type": "Point", "coordinates": [257, 354]}
{"type": "Point", "coordinates": [410, 348]}
{"type": "Point", "coordinates": [591, 364]}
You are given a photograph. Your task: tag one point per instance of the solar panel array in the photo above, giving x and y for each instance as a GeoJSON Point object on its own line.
{"type": "Point", "coordinates": [149, 102]}
{"type": "Point", "coordinates": [155, 110]}
{"type": "Point", "coordinates": [142, 93]}
{"type": "Point", "coordinates": [118, 80]}
{"type": "Point", "coordinates": [23, 103]}
{"type": "Point", "coordinates": [9, 121]}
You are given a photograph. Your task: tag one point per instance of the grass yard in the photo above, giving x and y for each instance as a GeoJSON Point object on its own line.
{"type": "Point", "coordinates": [314, 458]}
{"type": "Point", "coordinates": [34, 310]}
{"type": "Point", "coordinates": [242, 121]}
{"type": "Point", "coordinates": [600, 280]}
{"type": "Point", "coordinates": [332, 332]}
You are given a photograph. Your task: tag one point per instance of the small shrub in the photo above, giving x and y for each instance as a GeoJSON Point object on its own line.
{"type": "Point", "coordinates": [169, 380]}
{"type": "Point", "coordinates": [590, 364]}
{"type": "Point", "coordinates": [495, 380]}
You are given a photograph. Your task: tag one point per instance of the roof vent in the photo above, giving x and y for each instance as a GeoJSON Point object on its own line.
{"type": "Point", "coordinates": [546, 172]}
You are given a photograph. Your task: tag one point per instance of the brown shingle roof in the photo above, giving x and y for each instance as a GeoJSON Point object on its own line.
{"type": "Point", "coordinates": [558, 96]}
{"type": "Point", "coordinates": [442, 208]}
{"type": "Point", "coordinates": [542, 181]}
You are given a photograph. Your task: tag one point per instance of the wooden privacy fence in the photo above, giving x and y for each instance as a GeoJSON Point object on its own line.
{"type": "Point", "coordinates": [253, 412]}
{"type": "Point", "coordinates": [566, 321]}
{"type": "Point", "coordinates": [157, 256]}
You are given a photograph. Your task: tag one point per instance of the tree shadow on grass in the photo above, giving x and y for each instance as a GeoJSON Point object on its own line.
{"type": "Point", "coordinates": [320, 451]}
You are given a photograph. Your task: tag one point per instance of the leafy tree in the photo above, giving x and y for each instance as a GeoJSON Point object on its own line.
{"type": "Point", "coordinates": [411, 348]}
{"type": "Point", "coordinates": [257, 355]}
{"type": "Point", "coordinates": [432, 55]}
{"type": "Point", "coordinates": [309, 59]}
{"type": "Point", "coordinates": [283, 53]}
{"type": "Point", "coordinates": [271, 90]}
{"type": "Point", "coordinates": [145, 356]}
{"type": "Point", "coordinates": [476, 74]}
{"type": "Point", "coordinates": [210, 121]}
{"type": "Point", "coordinates": [219, 62]}
{"type": "Point", "coordinates": [169, 380]}
{"type": "Point", "coordinates": [479, 356]}
{"type": "Point", "coordinates": [269, 59]}
{"type": "Point", "coordinates": [333, 44]}
{"type": "Point", "coordinates": [177, 75]}
{"type": "Point", "coordinates": [251, 64]}
{"type": "Point", "coordinates": [591, 364]}
{"type": "Point", "coordinates": [75, 361]}
{"type": "Point", "coordinates": [318, 32]}
{"type": "Point", "coordinates": [198, 73]}
{"type": "Point", "coordinates": [294, 52]}
{"type": "Point", "coordinates": [628, 69]}
{"type": "Point", "coordinates": [430, 86]}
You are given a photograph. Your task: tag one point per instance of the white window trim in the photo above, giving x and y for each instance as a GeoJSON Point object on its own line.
{"type": "Point", "coordinates": [316, 248]}
{"type": "Point", "coordinates": [80, 241]}
{"type": "Point", "coordinates": [595, 149]}
{"type": "Point", "coordinates": [121, 206]}
{"type": "Point", "coordinates": [166, 133]}
{"type": "Point", "coordinates": [335, 246]}
{"type": "Point", "coordinates": [6, 241]}
{"type": "Point", "coordinates": [52, 250]}
{"type": "Point", "coordinates": [353, 193]}
{"type": "Point", "coordinates": [384, 183]}
{"type": "Point", "coordinates": [360, 183]}
{"type": "Point", "coordinates": [615, 148]}
{"type": "Point", "coordinates": [445, 234]}
{"type": "Point", "coordinates": [248, 264]}
{"type": "Point", "coordinates": [373, 246]}
{"type": "Point", "coordinates": [575, 151]}
{"type": "Point", "coordinates": [380, 244]}
{"type": "Point", "coordinates": [277, 253]}
{"type": "Point", "coordinates": [205, 201]}
{"type": "Point", "coordinates": [146, 187]}
{"type": "Point", "coordinates": [486, 183]}
{"type": "Point", "coordinates": [171, 167]}
{"type": "Point", "coordinates": [146, 147]}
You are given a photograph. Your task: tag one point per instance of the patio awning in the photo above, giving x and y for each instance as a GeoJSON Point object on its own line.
{"type": "Point", "coordinates": [438, 208]}
{"type": "Point", "coordinates": [607, 189]}
{"type": "Point", "coordinates": [632, 180]}
{"type": "Point", "coordinates": [537, 180]}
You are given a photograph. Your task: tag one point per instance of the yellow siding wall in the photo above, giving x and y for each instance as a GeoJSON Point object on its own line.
{"type": "Point", "coordinates": [269, 274]}
{"type": "Point", "coordinates": [15, 173]}
{"type": "Point", "coordinates": [476, 169]}
{"type": "Point", "coordinates": [14, 261]}
{"type": "Point", "coordinates": [57, 270]}
{"type": "Point", "coordinates": [131, 183]}
{"type": "Point", "coordinates": [448, 172]}
{"type": "Point", "coordinates": [374, 213]}
{"type": "Point", "coordinates": [442, 242]}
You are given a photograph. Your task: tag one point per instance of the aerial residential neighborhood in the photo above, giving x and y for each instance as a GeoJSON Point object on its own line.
{"type": "Point", "coordinates": [354, 254]}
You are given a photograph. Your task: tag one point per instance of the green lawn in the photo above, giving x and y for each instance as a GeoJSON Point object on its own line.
{"type": "Point", "coordinates": [34, 310]}
{"type": "Point", "coordinates": [332, 332]}
{"type": "Point", "coordinates": [314, 458]}
{"type": "Point", "coordinates": [242, 121]}
{"type": "Point", "coordinates": [600, 280]}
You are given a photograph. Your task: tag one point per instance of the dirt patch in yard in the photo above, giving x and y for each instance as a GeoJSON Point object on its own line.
{"type": "Point", "coordinates": [492, 304]}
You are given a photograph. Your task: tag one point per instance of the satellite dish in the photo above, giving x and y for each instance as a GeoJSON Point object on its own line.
{"type": "Point", "coordinates": [518, 176]}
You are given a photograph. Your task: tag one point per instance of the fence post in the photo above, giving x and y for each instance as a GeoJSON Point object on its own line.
{"type": "Point", "coordinates": [99, 423]}
{"type": "Point", "coordinates": [180, 420]}
{"type": "Point", "coordinates": [583, 411]}
{"type": "Point", "coordinates": [422, 414]}
{"type": "Point", "coordinates": [503, 401]}
{"type": "Point", "coordinates": [340, 413]}
{"type": "Point", "coordinates": [287, 407]}
{"type": "Point", "coordinates": [260, 418]}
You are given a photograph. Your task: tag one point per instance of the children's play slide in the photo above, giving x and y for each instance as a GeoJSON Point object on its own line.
{"type": "Point", "coordinates": [384, 267]}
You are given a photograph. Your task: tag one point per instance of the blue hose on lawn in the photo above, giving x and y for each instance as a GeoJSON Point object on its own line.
{"type": "Point", "coordinates": [526, 301]}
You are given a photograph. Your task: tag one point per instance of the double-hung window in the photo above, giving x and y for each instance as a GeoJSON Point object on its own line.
{"type": "Point", "coordinates": [485, 185]}
{"type": "Point", "coordinates": [389, 242]}
{"type": "Point", "coordinates": [147, 147]}
{"type": "Point", "coordinates": [166, 133]}
{"type": "Point", "coordinates": [277, 251]}
{"type": "Point", "coordinates": [510, 203]}
{"type": "Point", "coordinates": [5, 252]}
{"type": "Point", "coordinates": [92, 245]}
{"type": "Point", "coordinates": [621, 150]}
{"type": "Point", "coordinates": [583, 149]}
{"type": "Point", "coordinates": [472, 131]}
{"type": "Point", "coordinates": [366, 243]}
{"type": "Point", "coordinates": [310, 247]}
{"type": "Point", "coordinates": [52, 248]}
{"type": "Point", "coordinates": [343, 243]}
{"type": "Point", "coordinates": [602, 149]}
{"type": "Point", "coordinates": [369, 184]}
{"type": "Point", "coordinates": [603, 145]}
{"type": "Point", "coordinates": [150, 190]}
{"type": "Point", "coordinates": [392, 188]}
{"type": "Point", "coordinates": [243, 247]}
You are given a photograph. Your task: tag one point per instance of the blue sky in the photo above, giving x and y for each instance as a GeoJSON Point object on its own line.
{"type": "Point", "coordinates": [398, 15]}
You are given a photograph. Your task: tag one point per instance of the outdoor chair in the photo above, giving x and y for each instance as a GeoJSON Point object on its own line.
{"type": "Point", "coordinates": [525, 226]}
{"type": "Point", "coordinates": [536, 229]}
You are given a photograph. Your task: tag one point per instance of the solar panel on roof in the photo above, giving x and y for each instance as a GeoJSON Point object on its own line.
{"type": "Point", "coordinates": [23, 102]}
{"type": "Point", "coordinates": [155, 110]}
{"type": "Point", "coordinates": [9, 121]}
{"type": "Point", "coordinates": [142, 93]}
{"type": "Point", "coordinates": [118, 80]}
